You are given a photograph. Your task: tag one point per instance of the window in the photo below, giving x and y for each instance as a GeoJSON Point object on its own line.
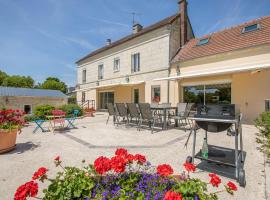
{"type": "Point", "coordinates": [83, 96]}
{"type": "Point", "coordinates": [155, 94]}
{"type": "Point", "coordinates": [84, 76]}
{"type": "Point", "coordinates": [208, 94]}
{"type": "Point", "coordinates": [135, 62]}
{"type": "Point", "coordinates": [203, 41]}
{"type": "Point", "coordinates": [100, 72]}
{"type": "Point", "coordinates": [136, 96]}
{"type": "Point", "coordinates": [116, 65]}
{"type": "Point", "coordinates": [27, 109]}
{"type": "Point", "coordinates": [252, 27]}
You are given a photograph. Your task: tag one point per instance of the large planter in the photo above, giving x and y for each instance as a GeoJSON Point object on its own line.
{"type": "Point", "coordinates": [7, 140]}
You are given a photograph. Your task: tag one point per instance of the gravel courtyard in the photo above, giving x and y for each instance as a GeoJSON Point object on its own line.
{"type": "Point", "coordinates": [93, 138]}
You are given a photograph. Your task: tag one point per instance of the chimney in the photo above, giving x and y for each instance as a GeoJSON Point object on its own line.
{"type": "Point", "coordinates": [137, 27]}
{"type": "Point", "coordinates": [183, 22]}
{"type": "Point", "coordinates": [109, 42]}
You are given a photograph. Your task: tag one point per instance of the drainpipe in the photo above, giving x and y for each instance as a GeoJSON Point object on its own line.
{"type": "Point", "coordinates": [168, 86]}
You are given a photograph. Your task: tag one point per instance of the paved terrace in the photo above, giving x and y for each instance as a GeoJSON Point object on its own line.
{"type": "Point", "coordinates": [93, 138]}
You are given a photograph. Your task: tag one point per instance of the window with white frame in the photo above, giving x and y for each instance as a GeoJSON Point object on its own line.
{"type": "Point", "coordinates": [135, 62]}
{"type": "Point", "coordinates": [100, 71]}
{"type": "Point", "coordinates": [84, 76]}
{"type": "Point", "coordinates": [116, 65]}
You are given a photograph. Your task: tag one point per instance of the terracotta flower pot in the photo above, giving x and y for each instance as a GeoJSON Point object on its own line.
{"type": "Point", "coordinates": [7, 140]}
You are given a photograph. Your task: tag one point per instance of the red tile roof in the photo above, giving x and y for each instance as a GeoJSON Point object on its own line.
{"type": "Point", "coordinates": [226, 40]}
{"type": "Point", "coordinates": [157, 25]}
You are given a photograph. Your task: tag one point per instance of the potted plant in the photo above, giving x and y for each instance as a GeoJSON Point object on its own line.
{"type": "Point", "coordinates": [11, 122]}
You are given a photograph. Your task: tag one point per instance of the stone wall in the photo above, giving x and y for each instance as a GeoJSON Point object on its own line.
{"type": "Point", "coordinates": [19, 102]}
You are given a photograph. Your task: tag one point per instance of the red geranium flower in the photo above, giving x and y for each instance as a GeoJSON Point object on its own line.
{"type": "Point", "coordinates": [215, 180]}
{"type": "Point", "coordinates": [39, 173]}
{"type": "Point", "coordinates": [140, 158]}
{"type": "Point", "coordinates": [170, 195]}
{"type": "Point", "coordinates": [190, 167]}
{"type": "Point", "coordinates": [29, 189]}
{"type": "Point", "coordinates": [121, 152]}
{"type": "Point", "coordinates": [102, 165]}
{"type": "Point", "coordinates": [164, 170]}
{"type": "Point", "coordinates": [57, 158]}
{"type": "Point", "coordinates": [232, 186]}
{"type": "Point", "coordinates": [130, 158]}
{"type": "Point", "coordinates": [118, 164]}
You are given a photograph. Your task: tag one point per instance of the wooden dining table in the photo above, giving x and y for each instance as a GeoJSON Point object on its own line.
{"type": "Point", "coordinates": [164, 110]}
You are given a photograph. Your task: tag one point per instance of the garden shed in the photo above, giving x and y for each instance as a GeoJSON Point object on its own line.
{"type": "Point", "coordinates": [27, 99]}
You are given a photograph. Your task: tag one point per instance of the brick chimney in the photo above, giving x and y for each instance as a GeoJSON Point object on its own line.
{"type": "Point", "coordinates": [183, 22]}
{"type": "Point", "coordinates": [137, 27]}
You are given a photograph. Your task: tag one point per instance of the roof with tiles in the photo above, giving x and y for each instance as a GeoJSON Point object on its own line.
{"type": "Point", "coordinates": [147, 29]}
{"type": "Point", "coordinates": [29, 92]}
{"type": "Point", "coordinates": [227, 40]}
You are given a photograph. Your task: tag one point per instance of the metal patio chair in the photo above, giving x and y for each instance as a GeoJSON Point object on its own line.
{"type": "Point", "coordinates": [180, 116]}
{"type": "Point", "coordinates": [121, 113]}
{"type": "Point", "coordinates": [111, 112]}
{"type": "Point", "coordinates": [133, 112]}
{"type": "Point", "coordinates": [147, 115]}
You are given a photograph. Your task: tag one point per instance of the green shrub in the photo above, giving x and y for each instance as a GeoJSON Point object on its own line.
{"type": "Point", "coordinates": [263, 124]}
{"type": "Point", "coordinates": [30, 118]}
{"type": "Point", "coordinates": [43, 110]}
{"type": "Point", "coordinates": [69, 109]}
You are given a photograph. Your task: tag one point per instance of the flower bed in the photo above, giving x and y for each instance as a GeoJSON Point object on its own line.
{"type": "Point", "coordinates": [124, 176]}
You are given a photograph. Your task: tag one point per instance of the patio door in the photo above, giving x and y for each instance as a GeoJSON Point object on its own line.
{"type": "Point", "coordinates": [136, 96]}
{"type": "Point", "coordinates": [208, 94]}
{"type": "Point", "coordinates": [105, 98]}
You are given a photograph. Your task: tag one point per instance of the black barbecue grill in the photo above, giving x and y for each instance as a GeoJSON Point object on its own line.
{"type": "Point", "coordinates": [215, 119]}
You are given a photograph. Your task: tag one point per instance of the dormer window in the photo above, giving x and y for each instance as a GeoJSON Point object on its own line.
{"type": "Point", "coordinates": [250, 28]}
{"type": "Point", "coordinates": [203, 41]}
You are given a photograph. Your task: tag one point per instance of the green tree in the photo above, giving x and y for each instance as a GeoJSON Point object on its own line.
{"type": "Point", "coordinates": [3, 75]}
{"type": "Point", "coordinates": [53, 83]}
{"type": "Point", "coordinates": [18, 81]}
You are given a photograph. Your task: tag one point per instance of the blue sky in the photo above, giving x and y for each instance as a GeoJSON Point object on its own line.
{"type": "Point", "coordinates": [45, 38]}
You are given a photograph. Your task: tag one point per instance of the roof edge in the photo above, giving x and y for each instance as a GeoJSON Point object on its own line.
{"type": "Point", "coordinates": [151, 27]}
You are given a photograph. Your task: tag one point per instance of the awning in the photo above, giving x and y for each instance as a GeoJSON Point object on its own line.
{"type": "Point", "coordinates": [218, 71]}
{"type": "Point", "coordinates": [111, 85]}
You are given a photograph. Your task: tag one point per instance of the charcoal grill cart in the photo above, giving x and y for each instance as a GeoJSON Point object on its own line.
{"type": "Point", "coordinates": [215, 119]}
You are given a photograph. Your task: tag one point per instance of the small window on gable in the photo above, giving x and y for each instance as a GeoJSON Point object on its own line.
{"type": "Point", "coordinates": [252, 27]}
{"type": "Point", "coordinates": [203, 41]}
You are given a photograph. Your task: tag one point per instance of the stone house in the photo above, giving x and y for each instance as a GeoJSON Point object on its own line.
{"type": "Point", "coordinates": [165, 62]}
{"type": "Point", "coordinates": [27, 99]}
{"type": "Point", "coordinates": [124, 70]}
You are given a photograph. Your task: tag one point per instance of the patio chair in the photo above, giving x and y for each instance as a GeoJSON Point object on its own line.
{"type": "Point", "coordinates": [58, 118]}
{"type": "Point", "coordinates": [133, 112]}
{"type": "Point", "coordinates": [146, 115]}
{"type": "Point", "coordinates": [180, 115]}
{"type": "Point", "coordinates": [111, 112]}
{"type": "Point", "coordinates": [121, 113]}
{"type": "Point", "coordinates": [72, 119]}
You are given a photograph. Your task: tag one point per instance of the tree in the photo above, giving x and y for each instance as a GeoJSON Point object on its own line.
{"type": "Point", "coordinates": [3, 75]}
{"type": "Point", "coordinates": [18, 81]}
{"type": "Point", "coordinates": [53, 83]}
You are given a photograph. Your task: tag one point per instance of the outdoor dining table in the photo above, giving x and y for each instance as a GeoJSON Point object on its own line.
{"type": "Point", "coordinates": [164, 109]}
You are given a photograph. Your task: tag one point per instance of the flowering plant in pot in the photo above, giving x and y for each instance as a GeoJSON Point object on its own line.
{"type": "Point", "coordinates": [11, 122]}
{"type": "Point", "coordinates": [124, 176]}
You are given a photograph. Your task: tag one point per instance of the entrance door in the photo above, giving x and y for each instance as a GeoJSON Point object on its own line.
{"type": "Point", "coordinates": [136, 95]}
{"type": "Point", "coordinates": [105, 98]}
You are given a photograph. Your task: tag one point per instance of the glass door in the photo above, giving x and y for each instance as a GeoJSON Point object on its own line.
{"type": "Point", "coordinates": [208, 94]}
{"type": "Point", "coordinates": [136, 96]}
{"type": "Point", "coordinates": [105, 98]}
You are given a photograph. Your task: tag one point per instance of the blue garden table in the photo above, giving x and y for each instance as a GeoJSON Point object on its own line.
{"type": "Point", "coordinates": [39, 123]}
